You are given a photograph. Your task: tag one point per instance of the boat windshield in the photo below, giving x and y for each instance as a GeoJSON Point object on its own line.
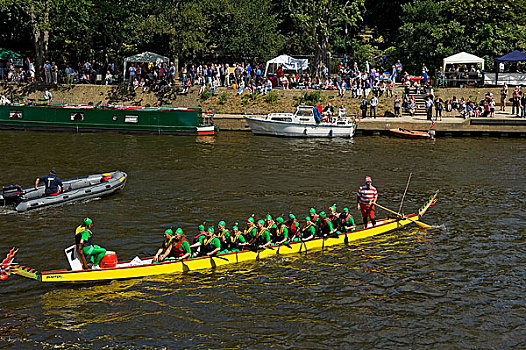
{"type": "Point", "coordinates": [304, 113]}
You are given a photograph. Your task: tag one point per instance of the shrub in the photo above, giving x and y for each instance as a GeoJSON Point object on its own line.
{"type": "Point", "coordinates": [311, 98]}
{"type": "Point", "coordinates": [223, 98]}
{"type": "Point", "coordinates": [205, 95]}
{"type": "Point", "coordinates": [272, 98]}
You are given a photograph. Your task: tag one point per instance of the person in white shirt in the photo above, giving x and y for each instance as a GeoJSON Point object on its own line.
{"type": "Point", "coordinates": [373, 103]}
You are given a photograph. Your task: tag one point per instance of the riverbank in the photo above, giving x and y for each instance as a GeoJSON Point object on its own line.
{"type": "Point", "coordinates": [224, 101]}
{"type": "Point", "coordinates": [230, 107]}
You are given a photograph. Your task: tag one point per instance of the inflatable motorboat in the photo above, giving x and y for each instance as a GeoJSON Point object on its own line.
{"type": "Point", "coordinates": [80, 188]}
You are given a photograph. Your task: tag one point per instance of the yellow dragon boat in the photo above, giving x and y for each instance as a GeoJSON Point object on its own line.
{"type": "Point", "coordinates": [138, 268]}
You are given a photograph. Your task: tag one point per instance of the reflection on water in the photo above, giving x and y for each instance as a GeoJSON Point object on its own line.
{"type": "Point", "coordinates": [458, 286]}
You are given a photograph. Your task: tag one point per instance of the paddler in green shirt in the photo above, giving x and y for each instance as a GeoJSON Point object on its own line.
{"type": "Point", "coordinates": [180, 247]}
{"type": "Point", "coordinates": [211, 244]}
{"type": "Point", "coordinates": [168, 240]}
{"type": "Point", "coordinates": [271, 225]}
{"type": "Point", "coordinates": [199, 238]}
{"type": "Point", "coordinates": [263, 235]}
{"type": "Point", "coordinates": [334, 216]}
{"type": "Point", "coordinates": [326, 228]}
{"type": "Point", "coordinates": [237, 239]}
{"type": "Point", "coordinates": [88, 248]}
{"type": "Point", "coordinates": [315, 218]}
{"type": "Point", "coordinates": [224, 235]}
{"type": "Point", "coordinates": [282, 231]}
{"type": "Point", "coordinates": [294, 227]}
{"type": "Point", "coordinates": [346, 221]}
{"type": "Point", "coordinates": [308, 230]}
{"type": "Point", "coordinates": [250, 230]}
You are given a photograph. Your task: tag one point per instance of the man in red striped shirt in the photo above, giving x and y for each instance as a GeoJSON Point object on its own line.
{"type": "Point", "coordinates": [366, 198]}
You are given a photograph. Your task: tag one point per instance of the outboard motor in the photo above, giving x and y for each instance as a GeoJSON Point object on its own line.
{"type": "Point", "coordinates": [12, 194]}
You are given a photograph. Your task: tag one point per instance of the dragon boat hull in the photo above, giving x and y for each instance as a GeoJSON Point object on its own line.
{"type": "Point", "coordinates": [138, 268]}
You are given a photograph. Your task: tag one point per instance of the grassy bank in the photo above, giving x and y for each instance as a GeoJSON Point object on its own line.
{"type": "Point", "coordinates": [225, 100]}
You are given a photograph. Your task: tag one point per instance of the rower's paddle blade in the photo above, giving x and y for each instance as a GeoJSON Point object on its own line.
{"type": "Point", "coordinates": [423, 225]}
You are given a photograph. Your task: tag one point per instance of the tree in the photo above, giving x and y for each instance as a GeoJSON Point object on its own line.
{"type": "Point", "coordinates": [433, 30]}
{"type": "Point", "coordinates": [318, 18]}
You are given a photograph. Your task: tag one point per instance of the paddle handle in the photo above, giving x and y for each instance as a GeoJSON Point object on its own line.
{"type": "Point", "coordinates": [387, 209]}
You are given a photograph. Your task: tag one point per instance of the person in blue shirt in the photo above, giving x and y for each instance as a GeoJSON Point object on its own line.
{"type": "Point", "coordinates": [52, 182]}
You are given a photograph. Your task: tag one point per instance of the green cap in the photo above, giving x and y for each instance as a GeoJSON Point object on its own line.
{"type": "Point", "coordinates": [291, 216]}
{"type": "Point", "coordinates": [222, 223]}
{"type": "Point", "coordinates": [323, 215]}
{"type": "Point", "coordinates": [201, 227]}
{"type": "Point", "coordinates": [269, 217]}
{"type": "Point", "coordinates": [312, 211]}
{"type": "Point", "coordinates": [169, 232]}
{"type": "Point", "coordinates": [211, 229]}
{"type": "Point", "coordinates": [235, 227]}
{"type": "Point", "coordinates": [279, 220]}
{"type": "Point", "coordinates": [333, 207]}
{"type": "Point", "coordinates": [307, 218]}
{"type": "Point", "coordinates": [87, 221]}
{"type": "Point", "coordinates": [179, 231]}
{"type": "Point", "coordinates": [346, 210]}
{"type": "Point", "coordinates": [250, 219]}
{"type": "Point", "coordinates": [262, 222]}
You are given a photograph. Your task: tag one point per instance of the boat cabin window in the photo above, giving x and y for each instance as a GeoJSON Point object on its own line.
{"type": "Point", "coordinates": [304, 113]}
{"type": "Point", "coordinates": [131, 118]}
{"type": "Point", "coordinates": [282, 119]}
{"type": "Point", "coordinates": [16, 114]}
{"type": "Point", "coordinates": [77, 116]}
{"type": "Point", "coordinates": [305, 119]}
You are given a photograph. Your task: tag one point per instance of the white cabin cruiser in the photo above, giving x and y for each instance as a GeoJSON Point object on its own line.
{"type": "Point", "coordinates": [305, 122]}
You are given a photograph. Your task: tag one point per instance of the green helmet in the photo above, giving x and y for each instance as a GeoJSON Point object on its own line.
{"type": "Point", "coordinates": [262, 222]}
{"type": "Point", "coordinates": [169, 232]}
{"type": "Point", "coordinates": [179, 231]}
{"type": "Point", "coordinates": [87, 221]}
{"type": "Point", "coordinates": [250, 219]}
{"type": "Point", "coordinates": [312, 211]}
{"type": "Point", "coordinates": [211, 229]}
{"type": "Point", "coordinates": [235, 227]}
{"type": "Point", "coordinates": [346, 210]}
{"type": "Point", "coordinates": [307, 218]}
{"type": "Point", "coordinates": [269, 217]}
{"type": "Point", "coordinates": [279, 220]}
{"type": "Point", "coordinates": [201, 227]}
{"type": "Point", "coordinates": [333, 207]}
{"type": "Point", "coordinates": [222, 223]}
{"type": "Point", "coordinates": [291, 216]}
{"type": "Point", "coordinates": [323, 215]}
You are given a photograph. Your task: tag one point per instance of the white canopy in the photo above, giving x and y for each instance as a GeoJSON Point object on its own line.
{"type": "Point", "coordinates": [464, 58]}
{"type": "Point", "coordinates": [288, 63]}
{"type": "Point", "coordinates": [145, 57]}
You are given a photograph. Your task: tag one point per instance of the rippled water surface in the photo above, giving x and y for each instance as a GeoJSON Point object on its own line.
{"type": "Point", "coordinates": [460, 286]}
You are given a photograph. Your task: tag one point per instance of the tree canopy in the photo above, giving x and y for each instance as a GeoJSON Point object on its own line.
{"type": "Point", "coordinates": [201, 31]}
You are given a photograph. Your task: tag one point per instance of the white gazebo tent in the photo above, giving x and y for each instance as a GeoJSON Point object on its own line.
{"type": "Point", "coordinates": [145, 57]}
{"type": "Point", "coordinates": [463, 58]}
{"type": "Point", "coordinates": [288, 63]}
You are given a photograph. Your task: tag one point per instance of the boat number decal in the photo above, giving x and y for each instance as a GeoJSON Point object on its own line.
{"type": "Point", "coordinates": [53, 277]}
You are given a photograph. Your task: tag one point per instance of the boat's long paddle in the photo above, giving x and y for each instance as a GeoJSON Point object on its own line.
{"type": "Point", "coordinates": [218, 257]}
{"type": "Point", "coordinates": [419, 223]}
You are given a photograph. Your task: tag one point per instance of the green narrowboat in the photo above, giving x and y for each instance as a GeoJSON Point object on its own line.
{"type": "Point", "coordinates": [174, 121]}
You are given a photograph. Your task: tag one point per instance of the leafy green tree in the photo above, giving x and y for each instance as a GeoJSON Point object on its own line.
{"type": "Point", "coordinates": [433, 30]}
{"type": "Point", "coordinates": [318, 18]}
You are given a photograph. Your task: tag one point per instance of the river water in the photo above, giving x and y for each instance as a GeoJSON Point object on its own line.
{"type": "Point", "coordinates": [459, 286]}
